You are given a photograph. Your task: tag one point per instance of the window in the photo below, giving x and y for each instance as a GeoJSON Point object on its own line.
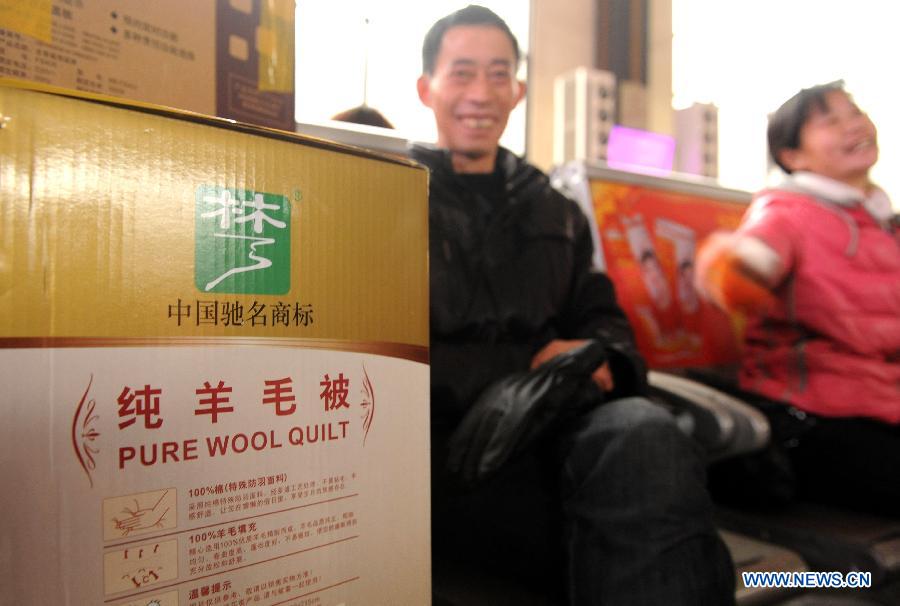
{"type": "Point", "coordinates": [749, 57]}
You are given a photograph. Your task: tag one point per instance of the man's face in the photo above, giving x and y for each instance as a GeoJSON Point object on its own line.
{"type": "Point", "coordinates": [472, 91]}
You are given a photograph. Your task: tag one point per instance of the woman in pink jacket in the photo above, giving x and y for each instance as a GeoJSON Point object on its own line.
{"type": "Point", "coordinates": [815, 269]}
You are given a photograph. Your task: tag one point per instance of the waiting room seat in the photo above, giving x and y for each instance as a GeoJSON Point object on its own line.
{"type": "Point", "coordinates": [829, 539]}
{"type": "Point", "coordinates": [723, 424]}
{"type": "Point", "coordinates": [751, 555]}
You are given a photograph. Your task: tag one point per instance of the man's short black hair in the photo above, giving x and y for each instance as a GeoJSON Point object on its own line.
{"type": "Point", "coordinates": [787, 121]}
{"type": "Point", "coordinates": [470, 15]}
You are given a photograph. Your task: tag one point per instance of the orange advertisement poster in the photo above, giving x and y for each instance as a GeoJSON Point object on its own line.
{"type": "Point", "coordinates": [649, 237]}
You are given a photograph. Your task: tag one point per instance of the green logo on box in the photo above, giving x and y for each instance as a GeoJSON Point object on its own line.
{"type": "Point", "coordinates": [243, 241]}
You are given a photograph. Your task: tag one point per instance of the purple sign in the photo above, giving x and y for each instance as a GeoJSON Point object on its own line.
{"type": "Point", "coordinates": [635, 148]}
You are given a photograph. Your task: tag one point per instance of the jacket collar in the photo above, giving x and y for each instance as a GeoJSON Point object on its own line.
{"type": "Point", "coordinates": [876, 202]}
{"type": "Point", "coordinates": [439, 158]}
{"type": "Point", "coordinates": [516, 172]}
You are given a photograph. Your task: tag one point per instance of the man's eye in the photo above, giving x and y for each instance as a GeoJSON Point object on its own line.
{"type": "Point", "coordinates": [502, 75]}
{"type": "Point", "coordinates": [461, 74]}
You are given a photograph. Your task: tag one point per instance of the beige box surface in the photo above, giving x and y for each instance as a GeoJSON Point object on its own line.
{"type": "Point", "coordinates": [218, 57]}
{"type": "Point", "coordinates": [214, 360]}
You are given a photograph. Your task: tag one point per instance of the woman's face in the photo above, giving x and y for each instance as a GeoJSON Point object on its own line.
{"type": "Point", "coordinates": [839, 142]}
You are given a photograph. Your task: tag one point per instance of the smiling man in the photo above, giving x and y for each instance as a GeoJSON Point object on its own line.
{"type": "Point", "coordinates": [470, 84]}
{"type": "Point", "coordinates": [545, 455]}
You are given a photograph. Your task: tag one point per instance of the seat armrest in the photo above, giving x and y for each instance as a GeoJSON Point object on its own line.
{"type": "Point", "coordinates": [725, 425]}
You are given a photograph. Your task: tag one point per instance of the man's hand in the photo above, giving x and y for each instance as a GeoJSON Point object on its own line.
{"type": "Point", "coordinates": [601, 376]}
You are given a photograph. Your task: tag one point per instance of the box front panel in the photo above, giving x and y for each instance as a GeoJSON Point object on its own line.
{"type": "Point", "coordinates": [213, 347]}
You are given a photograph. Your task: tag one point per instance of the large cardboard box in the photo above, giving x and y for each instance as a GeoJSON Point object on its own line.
{"type": "Point", "coordinates": [213, 360]}
{"type": "Point", "coordinates": [230, 58]}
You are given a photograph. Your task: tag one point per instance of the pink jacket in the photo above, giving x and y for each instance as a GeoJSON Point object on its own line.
{"type": "Point", "coordinates": [831, 346]}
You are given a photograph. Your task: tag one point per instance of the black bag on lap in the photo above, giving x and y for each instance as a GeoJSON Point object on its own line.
{"type": "Point", "coordinates": [514, 412]}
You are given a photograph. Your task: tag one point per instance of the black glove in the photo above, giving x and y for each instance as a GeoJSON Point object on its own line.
{"type": "Point", "coordinates": [515, 411]}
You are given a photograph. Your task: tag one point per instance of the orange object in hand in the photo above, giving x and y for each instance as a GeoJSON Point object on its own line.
{"type": "Point", "coordinates": [733, 288]}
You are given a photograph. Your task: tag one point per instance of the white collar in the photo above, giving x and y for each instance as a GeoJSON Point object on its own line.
{"type": "Point", "coordinates": [877, 202]}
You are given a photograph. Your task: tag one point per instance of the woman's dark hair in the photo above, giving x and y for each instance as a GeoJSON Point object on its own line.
{"type": "Point", "coordinates": [363, 114]}
{"type": "Point", "coordinates": [787, 121]}
{"type": "Point", "coordinates": [470, 15]}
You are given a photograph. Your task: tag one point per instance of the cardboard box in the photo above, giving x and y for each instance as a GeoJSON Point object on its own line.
{"type": "Point", "coordinates": [213, 359]}
{"type": "Point", "coordinates": [230, 58]}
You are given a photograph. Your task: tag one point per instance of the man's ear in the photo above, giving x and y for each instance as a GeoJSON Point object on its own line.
{"type": "Point", "coordinates": [523, 88]}
{"type": "Point", "coordinates": [423, 86]}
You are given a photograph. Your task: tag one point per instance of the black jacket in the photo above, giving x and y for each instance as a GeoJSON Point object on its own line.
{"type": "Point", "coordinates": [504, 286]}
